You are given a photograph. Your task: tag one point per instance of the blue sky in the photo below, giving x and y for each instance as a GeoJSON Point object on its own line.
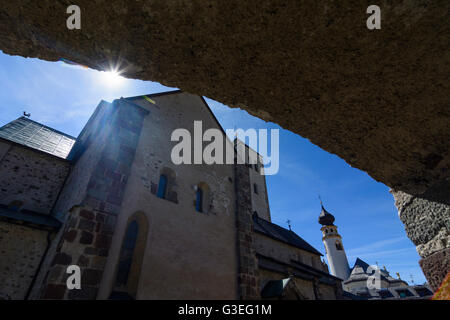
{"type": "Point", "coordinates": [64, 97]}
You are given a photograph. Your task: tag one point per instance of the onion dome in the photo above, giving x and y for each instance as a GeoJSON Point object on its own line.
{"type": "Point", "coordinates": [326, 218]}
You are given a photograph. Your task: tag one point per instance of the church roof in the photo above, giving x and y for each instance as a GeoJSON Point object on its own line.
{"type": "Point", "coordinates": [284, 235]}
{"type": "Point", "coordinates": [30, 218]}
{"type": "Point", "coordinates": [38, 136]}
{"type": "Point", "coordinates": [357, 276]}
{"type": "Point", "coordinates": [360, 263]}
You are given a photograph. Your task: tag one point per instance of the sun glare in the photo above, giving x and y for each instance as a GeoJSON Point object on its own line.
{"type": "Point", "coordinates": [112, 78]}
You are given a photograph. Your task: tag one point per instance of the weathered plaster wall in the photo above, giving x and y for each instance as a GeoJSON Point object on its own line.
{"type": "Point", "coordinates": [284, 252]}
{"type": "Point", "coordinates": [304, 287]}
{"type": "Point", "coordinates": [89, 142]}
{"type": "Point", "coordinates": [189, 255]}
{"type": "Point", "coordinates": [311, 287]}
{"type": "Point", "coordinates": [327, 292]}
{"type": "Point", "coordinates": [21, 250]}
{"type": "Point", "coordinates": [32, 177]}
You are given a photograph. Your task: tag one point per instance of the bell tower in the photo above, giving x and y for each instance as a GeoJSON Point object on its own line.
{"type": "Point", "coordinates": [334, 248]}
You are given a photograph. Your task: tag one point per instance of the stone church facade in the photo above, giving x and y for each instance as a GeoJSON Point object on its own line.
{"type": "Point", "coordinates": [140, 227]}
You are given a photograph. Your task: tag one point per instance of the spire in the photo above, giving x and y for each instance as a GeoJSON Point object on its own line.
{"type": "Point", "coordinates": [325, 218]}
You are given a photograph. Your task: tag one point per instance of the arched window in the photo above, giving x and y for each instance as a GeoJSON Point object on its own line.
{"type": "Point", "coordinates": [130, 259]}
{"type": "Point", "coordinates": [126, 255]}
{"type": "Point", "coordinates": [203, 198]}
{"type": "Point", "coordinates": [199, 200]}
{"type": "Point", "coordinates": [162, 186]}
{"type": "Point", "coordinates": [167, 186]}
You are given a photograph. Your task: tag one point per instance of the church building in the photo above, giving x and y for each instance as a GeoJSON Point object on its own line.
{"type": "Point", "coordinates": [112, 203]}
{"type": "Point", "coordinates": [363, 281]}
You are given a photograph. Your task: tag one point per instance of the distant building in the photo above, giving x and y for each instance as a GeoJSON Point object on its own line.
{"type": "Point", "coordinates": [363, 281]}
{"type": "Point", "coordinates": [140, 227]}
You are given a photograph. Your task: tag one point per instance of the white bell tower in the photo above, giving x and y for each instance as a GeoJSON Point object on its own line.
{"type": "Point", "coordinates": [334, 248]}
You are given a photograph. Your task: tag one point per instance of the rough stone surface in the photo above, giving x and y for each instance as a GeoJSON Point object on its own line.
{"type": "Point", "coordinates": [424, 220]}
{"type": "Point", "coordinates": [21, 250]}
{"type": "Point", "coordinates": [30, 177]}
{"type": "Point", "coordinates": [436, 267]}
{"type": "Point", "coordinates": [427, 224]}
{"type": "Point", "coordinates": [248, 273]}
{"type": "Point", "coordinates": [73, 249]}
{"type": "Point", "coordinates": [376, 98]}
{"type": "Point", "coordinates": [439, 242]}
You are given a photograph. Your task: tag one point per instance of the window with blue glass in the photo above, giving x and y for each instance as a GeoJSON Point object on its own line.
{"type": "Point", "coordinates": [199, 200]}
{"type": "Point", "coordinates": [162, 187]}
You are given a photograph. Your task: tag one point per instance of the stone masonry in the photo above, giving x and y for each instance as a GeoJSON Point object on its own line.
{"type": "Point", "coordinates": [87, 235]}
{"type": "Point", "coordinates": [248, 281]}
{"type": "Point", "coordinates": [427, 224]}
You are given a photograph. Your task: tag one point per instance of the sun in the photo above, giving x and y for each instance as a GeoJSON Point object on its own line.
{"type": "Point", "coordinates": [112, 78]}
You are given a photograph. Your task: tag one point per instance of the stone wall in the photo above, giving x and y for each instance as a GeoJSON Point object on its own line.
{"type": "Point", "coordinates": [309, 285]}
{"type": "Point", "coordinates": [427, 224]}
{"type": "Point", "coordinates": [259, 197]}
{"type": "Point", "coordinates": [21, 250]}
{"type": "Point", "coordinates": [89, 226]}
{"type": "Point", "coordinates": [85, 242]}
{"type": "Point", "coordinates": [85, 153]}
{"type": "Point", "coordinates": [248, 274]}
{"type": "Point", "coordinates": [182, 243]}
{"type": "Point", "coordinates": [283, 252]}
{"type": "Point", "coordinates": [32, 177]}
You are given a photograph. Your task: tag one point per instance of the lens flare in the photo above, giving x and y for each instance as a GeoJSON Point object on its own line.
{"type": "Point", "coordinates": [112, 78]}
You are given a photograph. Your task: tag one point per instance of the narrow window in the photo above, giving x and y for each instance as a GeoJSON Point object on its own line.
{"type": "Point", "coordinates": [256, 167]}
{"type": "Point", "coordinates": [130, 260]}
{"type": "Point", "coordinates": [339, 246]}
{"type": "Point", "coordinates": [255, 188]}
{"type": "Point", "coordinates": [162, 187]}
{"type": "Point", "coordinates": [126, 256]}
{"type": "Point", "coordinates": [199, 200]}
